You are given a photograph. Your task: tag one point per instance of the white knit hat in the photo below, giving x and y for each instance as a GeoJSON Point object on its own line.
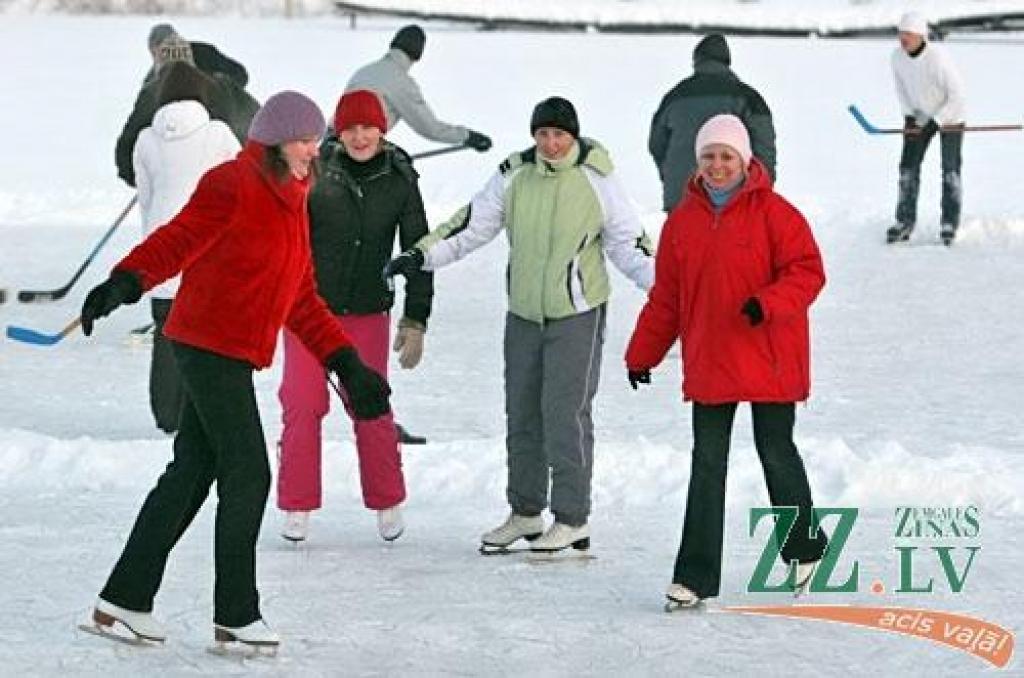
{"type": "Point", "coordinates": [914, 22]}
{"type": "Point", "coordinates": [725, 129]}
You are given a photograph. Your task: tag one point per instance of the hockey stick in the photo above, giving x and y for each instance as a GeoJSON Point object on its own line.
{"type": "Point", "coordinates": [25, 335]}
{"type": "Point", "coordinates": [142, 330]}
{"type": "Point", "coordinates": [439, 151]}
{"type": "Point", "coordinates": [33, 296]}
{"type": "Point", "coordinates": [404, 436]}
{"type": "Point", "coordinates": [871, 129]}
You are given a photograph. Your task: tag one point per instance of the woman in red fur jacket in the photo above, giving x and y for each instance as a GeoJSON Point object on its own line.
{"type": "Point", "coordinates": [242, 246]}
{"type": "Point", "coordinates": [736, 271]}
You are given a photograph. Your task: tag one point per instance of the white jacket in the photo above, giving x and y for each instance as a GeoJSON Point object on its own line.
{"type": "Point", "coordinates": [170, 157]}
{"type": "Point", "coordinates": [929, 86]}
{"type": "Point", "coordinates": [389, 77]}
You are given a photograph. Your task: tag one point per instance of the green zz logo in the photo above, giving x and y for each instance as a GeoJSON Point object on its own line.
{"type": "Point", "coordinates": [784, 519]}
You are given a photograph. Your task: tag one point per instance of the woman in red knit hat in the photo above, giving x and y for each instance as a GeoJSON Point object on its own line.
{"type": "Point", "coordinates": [736, 271]}
{"type": "Point", "coordinates": [242, 246]}
{"type": "Point", "coordinates": [367, 194]}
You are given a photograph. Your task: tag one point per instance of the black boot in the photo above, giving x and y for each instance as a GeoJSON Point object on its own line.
{"type": "Point", "coordinates": [899, 233]}
{"type": "Point", "coordinates": [947, 232]}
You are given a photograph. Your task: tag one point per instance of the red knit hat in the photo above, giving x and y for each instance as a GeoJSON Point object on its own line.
{"type": "Point", "coordinates": [360, 107]}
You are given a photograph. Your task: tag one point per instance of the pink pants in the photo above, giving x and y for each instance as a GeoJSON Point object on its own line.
{"type": "Point", "coordinates": [305, 400]}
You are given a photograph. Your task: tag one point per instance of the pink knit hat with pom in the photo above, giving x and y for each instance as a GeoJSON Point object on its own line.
{"type": "Point", "coordinates": [725, 129]}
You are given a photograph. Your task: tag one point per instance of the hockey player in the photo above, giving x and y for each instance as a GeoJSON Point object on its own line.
{"type": "Point", "coordinates": [931, 95]}
{"type": "Point", "coordinates": [228, 101]}
{"type": "Point", "coordinates": [563, 210]}
{"type": "Point", "coordinates": [389, 77]}
{"type": "Point", "coordinates": [737, 269]}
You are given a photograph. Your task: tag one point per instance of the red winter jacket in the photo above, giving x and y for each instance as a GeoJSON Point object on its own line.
{"type": "Point", "coordinates": [242, 244]}
{"type": "Point", "coordinates": [707, 266]}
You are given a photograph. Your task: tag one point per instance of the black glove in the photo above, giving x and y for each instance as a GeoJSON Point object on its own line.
{"type": "Point", "coordinates": [367, 391]}
{"type": "Point", "coordinates": [478, 142]}
{"type": "Point", "coordinates": [910, 125]}
{"type": "Point", "coordinates": [637, 377]}
{"type": "Point", "coordinates": [406, 263]}
{"type": "Point", "coordinates": [122, 287]}
{"type": "Point", "coordinates": [752, 309]}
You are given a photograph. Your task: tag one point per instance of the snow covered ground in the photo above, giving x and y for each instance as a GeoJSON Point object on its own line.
{"type": "Point", "coordinates": [917, 385]}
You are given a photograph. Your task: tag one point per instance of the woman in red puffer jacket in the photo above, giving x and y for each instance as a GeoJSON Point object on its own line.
{"type": "Point", "coordinates": [737, 269]}
{"type": "Point", "coordinates": [242, 246]}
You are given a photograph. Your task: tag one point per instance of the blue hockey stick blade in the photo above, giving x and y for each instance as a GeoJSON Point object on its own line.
{"type": "Point", "coordinates": [862, 121]}
{"type": "Point", "coordinates": [28, 336]}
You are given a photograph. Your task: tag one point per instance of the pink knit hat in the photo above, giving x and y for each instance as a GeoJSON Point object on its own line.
{"type": "Point", "coordinates": [725, 129]}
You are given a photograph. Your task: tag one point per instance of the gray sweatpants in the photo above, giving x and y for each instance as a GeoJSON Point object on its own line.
{"type": "Point", "coordinates": [551, 375]}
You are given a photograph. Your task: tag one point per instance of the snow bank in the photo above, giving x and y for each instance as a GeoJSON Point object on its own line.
{"type": "Point", "coordinates": [770, 15]}
{"type": "Point", "coordinates": [640, 474]}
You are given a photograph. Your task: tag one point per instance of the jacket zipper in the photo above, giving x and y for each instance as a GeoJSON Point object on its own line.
{"type": "Point", "coordinates": [767, 330]}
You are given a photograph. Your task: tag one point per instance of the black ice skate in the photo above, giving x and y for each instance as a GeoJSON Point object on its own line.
{"type": "Point", "coordinates": [899, 233]}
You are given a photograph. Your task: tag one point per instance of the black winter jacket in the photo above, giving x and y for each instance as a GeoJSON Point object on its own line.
{"type": "Point", "coordinates": [355, 210]}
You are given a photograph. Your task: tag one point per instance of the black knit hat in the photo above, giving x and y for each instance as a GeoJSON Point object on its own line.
{"type": "Point", "coordinates": [712, 47]}
{"type": "Point", "coordinates": [555, 112]}
{"type": "Point", "coordinates": [411, 40]}
{"type": "Point", "coordinates": [180, 81]}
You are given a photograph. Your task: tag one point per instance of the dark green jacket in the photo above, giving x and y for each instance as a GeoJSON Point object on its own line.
{"type": "Point", "coordinates": [712, 89]}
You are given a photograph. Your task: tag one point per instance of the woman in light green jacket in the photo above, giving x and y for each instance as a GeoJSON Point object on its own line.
{"type": "Point", "coordinates": [563, 210]}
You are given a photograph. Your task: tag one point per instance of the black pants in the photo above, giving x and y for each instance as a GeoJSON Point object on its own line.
{"type": "Point", "coordinates": [166, 393]}
{"type": "Point", "coordinates": [914, 148]}
{"type": "Point", "coordinates": [699, 562]}
{"type": "Point", "coordinates": [220, 439]}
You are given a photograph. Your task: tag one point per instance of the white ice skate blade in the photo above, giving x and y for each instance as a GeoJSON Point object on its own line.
{"type": "Point", "coordinates": [393, 537]}
{"type": "Point", "coordinates": [492, 550]}
{"type": "Point", "coordinates": [109, 633]}
{"type": "Point", "coordinates": [566, 555]}
{"type": "Point", "coordinates": [237, 649]}
{"type": "Point", "coordinates": [673, 605]}
{"type": "Point", "coordinates": [802, 588]}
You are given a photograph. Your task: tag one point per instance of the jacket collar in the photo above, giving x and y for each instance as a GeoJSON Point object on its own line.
{"type": "Point", "coordinates": [546, 166]}
{"type": "Point", "coordinates": [757, 180]}
{"type": "Point", "coordinates": [400, 58]}
{"type": "Point", "coordinates": [712, 67]}
{"type": "Point", "coordinates": [290, 191]}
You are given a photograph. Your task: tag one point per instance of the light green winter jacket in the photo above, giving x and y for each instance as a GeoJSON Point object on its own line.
{"type": "Point", "coordinates": [561, 219]}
